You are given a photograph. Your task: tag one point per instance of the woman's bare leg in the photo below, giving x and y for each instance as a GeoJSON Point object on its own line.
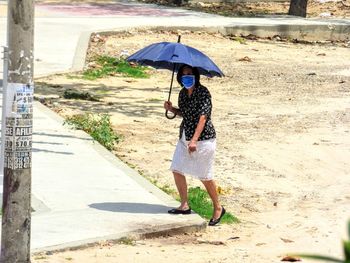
{"type": "Point", "coordinates": [181, 184]}
{"type": "Point", "coordinates": [211, 188]}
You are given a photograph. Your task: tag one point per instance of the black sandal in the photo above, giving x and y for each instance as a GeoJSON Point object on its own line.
{"type": "Point", "coordinates": [176, 211]}
{"type": "Point", "coordinates": [214, 222]}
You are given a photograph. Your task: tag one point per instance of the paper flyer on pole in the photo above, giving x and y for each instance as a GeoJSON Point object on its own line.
{"type": "Point", "coordinates": [18, 126]}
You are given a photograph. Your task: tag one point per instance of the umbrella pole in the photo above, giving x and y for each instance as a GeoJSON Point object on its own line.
{"type": "Point", "coordinates": [171, 85]}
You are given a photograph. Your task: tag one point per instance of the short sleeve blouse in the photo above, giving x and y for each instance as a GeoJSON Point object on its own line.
{"type": "Point", "coordinates": [192, 107]}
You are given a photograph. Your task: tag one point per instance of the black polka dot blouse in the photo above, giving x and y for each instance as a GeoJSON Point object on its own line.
{"type": "Point", "coordinates": [192, 107]}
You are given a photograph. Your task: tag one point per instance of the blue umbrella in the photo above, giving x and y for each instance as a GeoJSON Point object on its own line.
{"type": "Point", "coordinates": [170, 55]}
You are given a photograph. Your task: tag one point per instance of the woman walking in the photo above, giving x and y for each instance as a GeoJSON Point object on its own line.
{"type": "Point", "coordinates": [194, 153]}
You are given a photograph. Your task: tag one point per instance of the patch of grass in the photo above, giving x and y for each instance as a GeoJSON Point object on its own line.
{"type": "Point", "coordinates": [132, 166]}
{"type": "Point", "coordinates": [241, 40]}
{"type": "Point", "coordinates": [127, 241]}
{"type": "Point", "coordinates": [154, 100]}
{"type": "Point", "coordinates": [70, 76]}
{"type": "Point", "coordinates": [40, 257]}
{"type": "Point", "coordinates": [200, 202]}
{"type": "Point", "coordinates": [165, 188]}
{"type": "Point", "coordinates": [110, 66]}
{"type": "Point", "coordinates": [98, 126]}
{"type": "Point", "coordinates": [103, 92]}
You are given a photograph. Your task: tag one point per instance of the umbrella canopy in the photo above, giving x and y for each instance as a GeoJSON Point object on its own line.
{"type": "Point", "coordinates": [170, 55]}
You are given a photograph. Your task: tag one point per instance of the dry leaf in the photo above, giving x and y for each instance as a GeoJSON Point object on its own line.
{"type": "Point", "coordinates": [217, 243]}
{"type": "Point", "coordinates": [233, 238]}
{"type": "Point", "coordinates": [260, 244]}
{"type": "Point", "coordinates": [286, 240]}
{"type": "Point", "coordinates": [246, 58]}
{"type": "Point", "coordinates": [291, 259]}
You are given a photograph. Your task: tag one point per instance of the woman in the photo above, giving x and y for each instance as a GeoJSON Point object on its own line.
{"type": "Point", "coordinates": [194, 153]}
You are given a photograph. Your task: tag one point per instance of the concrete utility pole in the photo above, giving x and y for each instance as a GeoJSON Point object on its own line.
{"type": "Point", "coordinates": [16, 217]}
{"type": "Point", "coordinates": [297, 8]}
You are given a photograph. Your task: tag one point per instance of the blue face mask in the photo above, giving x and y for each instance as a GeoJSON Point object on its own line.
{"type": "Point", "coordinates": [188, 81]}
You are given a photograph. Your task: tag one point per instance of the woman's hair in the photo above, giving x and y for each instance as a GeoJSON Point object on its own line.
{"type": "Point", "coordinates": [194, 71]}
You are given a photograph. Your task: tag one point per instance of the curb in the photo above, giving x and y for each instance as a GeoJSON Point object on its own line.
{"type": "Point", "coordinates": [333, 30]}
{"type": "Point", "coordinates": [300, 32]}
{"type": "Point", "coordinates": [144, 233]}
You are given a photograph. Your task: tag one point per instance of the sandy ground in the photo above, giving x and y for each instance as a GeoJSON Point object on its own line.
{"type": "Point", "coordinates": [283, 131]}
{"type": "Point", "coordinates": [315, 8]}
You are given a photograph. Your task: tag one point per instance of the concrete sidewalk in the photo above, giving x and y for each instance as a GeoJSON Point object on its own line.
{"type": "Point", "coordinates": [81, 192]}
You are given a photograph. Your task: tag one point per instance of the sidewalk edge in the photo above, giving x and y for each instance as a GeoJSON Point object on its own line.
{"type": "Point", "coordinates": [144, 233]}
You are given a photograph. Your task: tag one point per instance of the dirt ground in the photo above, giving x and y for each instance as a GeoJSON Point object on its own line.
{"type": "Point", "coordinates": [282, 117]}
{"type": "Point", "coordinates": [315, 8]}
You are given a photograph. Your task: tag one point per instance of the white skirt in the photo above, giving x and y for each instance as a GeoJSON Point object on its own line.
{"type": "Point", "coordinates": [198, 164]}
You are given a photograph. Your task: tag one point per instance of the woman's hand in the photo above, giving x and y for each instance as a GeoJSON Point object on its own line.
{"type": "Point", "coordinates": [192, 146]}
{"type": "Point", "coordinates": [168, 106]}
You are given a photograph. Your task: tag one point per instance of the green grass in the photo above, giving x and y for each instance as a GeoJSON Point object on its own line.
{"type": "Point", "coordinates": [39, 257]}
{"type": "Point", "coordinates": [109, 66]}
{"type": "Point", "coordinates": [165, 188]}
{"type": "Point", "coordinates": [170, 191]}
{"type": "Point", "coordinates": [200, 202]}
{"type": "Point", "coordinates": [127, 241]}
{"type": "Point", "coordinates": [98, 126]}
{"type": "Point", "coordinates": [241, 40]}
{"type": "Point", "coordinates": [154, 100]}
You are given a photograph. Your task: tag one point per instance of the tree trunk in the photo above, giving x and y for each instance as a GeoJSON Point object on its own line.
{"type": "Point", "coordinates": [298, 8]}
{"type": "Point", "coordinates": [177, 2]}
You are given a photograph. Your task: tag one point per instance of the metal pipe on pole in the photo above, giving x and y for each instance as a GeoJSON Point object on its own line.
{"type": "Point", "coordinates": [17, 132]}
{"type": "Point", "coordinates": [3, 114]}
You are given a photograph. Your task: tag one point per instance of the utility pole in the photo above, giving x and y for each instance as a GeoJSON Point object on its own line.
{"type": "Point", "coordinates": [16, 215]}
{"type": "Point", "coordinates": [298, 8]}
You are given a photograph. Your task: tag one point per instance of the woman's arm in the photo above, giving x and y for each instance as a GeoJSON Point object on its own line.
{"type": "Point", "coordinates": [169, 107]}
{"type": "Point", "coordinates": [192, 146]}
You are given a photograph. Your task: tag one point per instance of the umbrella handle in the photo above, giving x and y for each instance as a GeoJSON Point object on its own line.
{"type": "Point", "coordinates": [169, 117]}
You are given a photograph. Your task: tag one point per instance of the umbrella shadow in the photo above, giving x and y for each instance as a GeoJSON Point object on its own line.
{"type": "Point", "coordinates": [134, 105]}
{"type": "Point", "coordinates": [133, 208]}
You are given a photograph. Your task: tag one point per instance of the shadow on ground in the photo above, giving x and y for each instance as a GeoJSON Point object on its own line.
{"type": "Point", "coordinates": [135, 208]}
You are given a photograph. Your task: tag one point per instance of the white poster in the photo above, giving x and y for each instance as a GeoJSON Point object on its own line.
{"type": "Point", "coordinates": [19, 99]}
{"type": "Point", "coordinates": [19, 126]}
